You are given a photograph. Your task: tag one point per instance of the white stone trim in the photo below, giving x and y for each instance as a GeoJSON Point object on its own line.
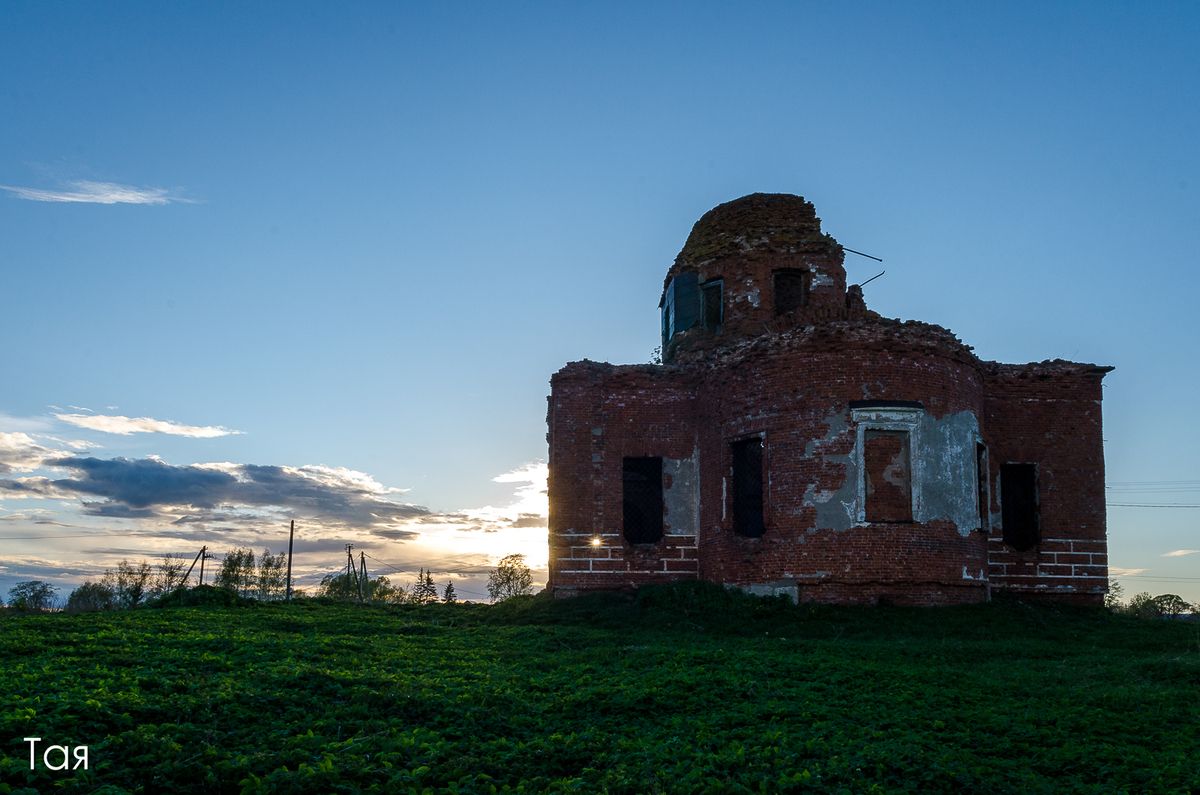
{"type": "Point", "coordinates": [889, 419]}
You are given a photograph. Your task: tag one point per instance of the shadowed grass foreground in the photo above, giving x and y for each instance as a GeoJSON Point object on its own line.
{"type": "Point", "coordinates": [685, 689]}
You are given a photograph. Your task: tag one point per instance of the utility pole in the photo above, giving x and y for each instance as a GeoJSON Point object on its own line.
{"type": "Point", "coordinates": [203, 557]}
{"type": "Point", "coordinates": [362, 580]}
{"type": "Point", "coordinates": [183, 582]}
{"type": "Point", "coordinates": [351, 570]}
{"type": "Point", "coordinates": [291, 536]}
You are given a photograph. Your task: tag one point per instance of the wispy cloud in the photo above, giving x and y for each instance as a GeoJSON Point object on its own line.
{"type": "Point", "coordinates": [1179, 553]}
{"type": "Point", "coordinates": [19, 452]}
{"type": "Point", "coordinates": [1118, 571]}
{"type": "Point", "coordinates": [90, 192]}
{"type": "Point", "coordinates": [115, 423]}
{"type": "Point", "coordinates": [34, 517]}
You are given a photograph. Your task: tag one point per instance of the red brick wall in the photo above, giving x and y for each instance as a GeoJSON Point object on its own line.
{"type": "Point", "coordinates": [598, 415]}
{"type": "Point", "coordinates": [794, 389]}
{"type": "Point", "coordinates": [795, 397]}
{"type": "Point", "coordinates": [1049, 414]}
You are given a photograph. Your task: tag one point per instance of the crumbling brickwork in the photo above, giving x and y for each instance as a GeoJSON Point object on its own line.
{"type": "Point", "coordinates": [809, 447]}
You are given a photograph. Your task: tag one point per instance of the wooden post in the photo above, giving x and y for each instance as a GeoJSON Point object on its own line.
{"type": "Point", "coordinates": [203, 557]}
{"type": "Point", "coordinates": [291, 536]}
{"type": "Point", "coordinates": [362, 580]}
{"type": "Point", "coordinates": [183, 582]}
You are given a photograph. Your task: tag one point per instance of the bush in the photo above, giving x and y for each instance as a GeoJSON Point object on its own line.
{"type": "Point", "coordinates": [32, 596]}
{"type": "Point", "coordinates": [512, 577]}
{"type": "Point", "coordinates": [238, 572]}
{"type": "Point", "coordinates": [1170, 604]}
{"type": "Point", "coordinates": [198, 596]}
{"type": "Point", "coordinates": [91, 597]}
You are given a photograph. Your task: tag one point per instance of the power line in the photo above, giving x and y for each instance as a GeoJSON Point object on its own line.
{"type": "Point", "coordinates": [1154, 577]}
{"type": "Point", "coordinates": [401, 571]}
{"type": "Point", "coordinates": [1153, 505]}
{"type": "Point", "coordinates": [1151, 484]}
{"type": "Point", "coordinates": [385, 563]}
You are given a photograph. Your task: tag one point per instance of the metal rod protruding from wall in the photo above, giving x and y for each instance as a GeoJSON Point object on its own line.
{"type": "Point", "coordinates": [859, 253]}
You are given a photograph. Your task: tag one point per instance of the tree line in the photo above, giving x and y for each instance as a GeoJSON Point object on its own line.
{"type": "Point", "coordinates": [1143, 605]}
{"type": "Point", "coordinates": [511, 577]}
{"type": "Point", "coordinates": [262, 578]}
{"type": "Point", "coordinates": [381, 590]}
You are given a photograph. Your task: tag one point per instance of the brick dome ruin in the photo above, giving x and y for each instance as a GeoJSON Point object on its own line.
{"type": "Point", "coordinates": [795, 442]}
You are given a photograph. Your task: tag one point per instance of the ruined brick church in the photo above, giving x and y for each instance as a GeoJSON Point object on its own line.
{"type": "Point", "coordinates": [795, 442]}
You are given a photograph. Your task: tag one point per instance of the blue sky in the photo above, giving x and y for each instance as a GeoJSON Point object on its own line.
{"type": "Point", "coordinates": [364, 236]}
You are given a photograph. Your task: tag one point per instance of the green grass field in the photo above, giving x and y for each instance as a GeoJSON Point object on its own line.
{"type": "Point", "coordinates": [685, 689]}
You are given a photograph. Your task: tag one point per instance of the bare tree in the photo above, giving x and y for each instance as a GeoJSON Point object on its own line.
{"type": "Point", "coordinates": [169, 575]}
{"type": "Point", "coordinates": [130, 583]}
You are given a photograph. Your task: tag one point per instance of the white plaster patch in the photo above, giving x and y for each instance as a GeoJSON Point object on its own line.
{"type": "Point", "coordinates": [950, 478]}
{"type": "Point", "coordinates": [835, 509]}
{"type": "Point", "coordinates": [824, 499]}
{"type": "Point", "coordinates": [894, 472]}
{"type": "Point", "coordinates": [681, 501]}
{"type": "Point", "coordinates": [821, 279]}
{"type": "Point", "coordinates": [943, 461]}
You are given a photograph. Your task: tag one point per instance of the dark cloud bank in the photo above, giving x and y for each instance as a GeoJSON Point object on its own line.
{"type": "Point", "coordinates": [139, 488]}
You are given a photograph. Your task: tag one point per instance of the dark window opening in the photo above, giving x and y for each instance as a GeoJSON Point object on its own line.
{"type": "Point", "coordinates": [981, 479]}
{"type": "Point", "coordinates": [681, 305]}
{"type": "Point", "coordinates": [642, 499]}
{"type": "Point", "coordinates": [888, 474]}
{"type": "Point", "coordinates": [1019, 505]}
{"type": "Point", "coordinates": [748, 488]}
{"type": "Point", "coordinates": [711, 309]}
{"type": "Point", "coordinates": [791, 290]}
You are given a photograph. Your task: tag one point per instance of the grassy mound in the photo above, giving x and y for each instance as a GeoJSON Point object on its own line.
{"type": "Point", "coordinates": [687, 688]}
{"type": "Point", "coordinates": [200, 596]}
